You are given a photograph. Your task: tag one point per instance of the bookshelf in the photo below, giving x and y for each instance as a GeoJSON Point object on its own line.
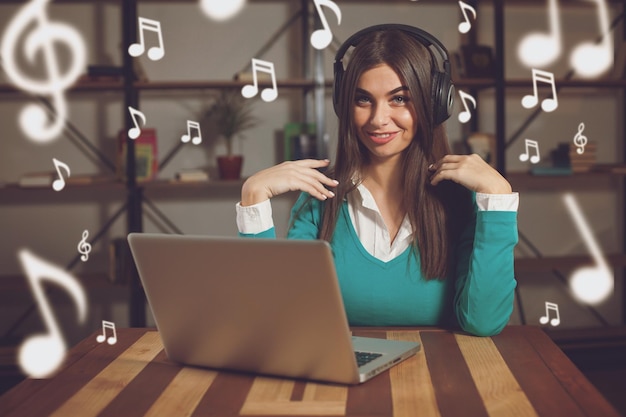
{"type": "Point", "coordinates": [134, 193]}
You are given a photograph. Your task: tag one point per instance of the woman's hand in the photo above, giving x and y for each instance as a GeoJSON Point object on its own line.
{"type": "Point", "coordinates": [471, 171]}
{"type": "Point", "coordinates": [299, 175]}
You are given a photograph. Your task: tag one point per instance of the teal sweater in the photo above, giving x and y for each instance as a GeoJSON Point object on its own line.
{"type": "Point", "coordinates": [478, 296]}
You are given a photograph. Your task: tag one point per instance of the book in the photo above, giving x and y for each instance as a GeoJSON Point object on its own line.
{"type": "Point", "coordinates": [146, 162]}
{"type": "Point", "coordinates": [192, 175]}
{"type": "Point", "coordinates": [37, 179]}
{"type": "Point", "coordinates": [550, 170]}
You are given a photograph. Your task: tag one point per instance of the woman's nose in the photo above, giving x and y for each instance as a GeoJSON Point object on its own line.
{"type": "Point", "coordinates": [380, 115]}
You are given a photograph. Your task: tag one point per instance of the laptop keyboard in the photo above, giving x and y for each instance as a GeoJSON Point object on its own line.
{"type": "Point", "coordinates": [365, 357]}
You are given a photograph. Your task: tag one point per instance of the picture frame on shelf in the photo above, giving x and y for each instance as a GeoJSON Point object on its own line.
{"type": "Point", "coordinates": [477, 61]}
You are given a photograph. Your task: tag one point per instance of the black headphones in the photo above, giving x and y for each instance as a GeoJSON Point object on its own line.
{"type": "Point", "coordinates": [442, 95]}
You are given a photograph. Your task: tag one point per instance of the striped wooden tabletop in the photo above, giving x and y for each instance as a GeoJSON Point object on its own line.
{"type": "Point", "coordinates": [517, 373]}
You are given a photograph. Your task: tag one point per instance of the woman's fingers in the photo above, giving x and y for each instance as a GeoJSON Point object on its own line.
{"type": "Point", "coordinates": [471, 171]}
{"type": "Point", "coordinates": [301, 175]}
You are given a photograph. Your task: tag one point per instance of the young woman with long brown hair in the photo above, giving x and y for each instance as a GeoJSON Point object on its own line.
{"type": "Point", "coordinates": [419, 236]}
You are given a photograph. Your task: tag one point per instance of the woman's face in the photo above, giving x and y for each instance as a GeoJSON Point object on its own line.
{"type": "Point", "coordinates": [384, 118]}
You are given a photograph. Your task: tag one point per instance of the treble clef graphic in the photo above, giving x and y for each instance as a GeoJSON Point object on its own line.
{"type": "Point", "coordinates": [33, 118]}
{"type": "Point", "coordinates": [580, 140]}
{"type": "Point", "coordinates": [84, 247]}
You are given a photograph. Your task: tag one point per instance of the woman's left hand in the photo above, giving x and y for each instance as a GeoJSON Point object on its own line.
{"type": "Point", "coordinates": [471, 171]}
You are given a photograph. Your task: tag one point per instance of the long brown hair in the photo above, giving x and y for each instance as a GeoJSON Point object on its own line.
{"type": "Point", "coordinates": [436, 213]}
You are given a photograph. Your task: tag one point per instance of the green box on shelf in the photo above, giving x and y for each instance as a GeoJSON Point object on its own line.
{"type": "Point", "coordinates": [299, 141]}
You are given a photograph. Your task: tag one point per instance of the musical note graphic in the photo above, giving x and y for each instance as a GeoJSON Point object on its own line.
{"type": "Point", "coordinates": [134, 132]}
{"type": "Point", "coordinates": [40, 355]}
{"type": "Point", "coordinates": [580, 140]}
{"type": "Point", "coordinates": [156, 52]}
{"type": "Point", "coordinates": [39, 46]}
{"type": "Point", "coordinates": [196, 140]}
{"type": "Point", "coordinates": [111, 340]}
{"type": "Point", "coordinates": [251, 90]}
{"type": "Point", "coordinates": [541, 49]}
{"type": "Point", "coordinates": [547, 104]}
{"type": "Point", "coordinates": [221, 10]}
{"type": "Point", "coordinates": [556, 320]}
{"type": "Point", "coordinates": [84, 247]}
{"type": "Point", "coordinates": [465, 26]}
{"type": "Point", "coordinates": [465, 115]}
{"type": "Point", "coordinates": [590, 284]}
{"type": "Point", "coordinates": [59, 183]}
{"type": "Point", "coordinates": [589, 59]}
{"type": "Point", "coordinates": [529, 143]}
{"type": "Point", "coordinates": [321, 38]}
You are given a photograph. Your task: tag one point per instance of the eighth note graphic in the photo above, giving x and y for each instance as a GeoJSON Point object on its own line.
{"type": "Point", "coordinates": [40, 355]}
{"type": "Point", "coordinates": [547, 104]}
{"type": "Point", "coordinates": [321, 38]}
{"type": "Point", "coordinates": [556, 320]}
{"type": "Point", "coordinates": [111, 340]}
{"type": "Point", "coordinates": [156, 52]}
{"type": "Point", "coordinates": [59, 183]}
{"type": "Point", "coordinates": [251, 90]}
{"type": "Point", "coordinates": [530, 144]}
{"type": "Point", "coordinates": [465, 115]}
{"type": "Point", "coordinates": [465, 26]}
{"type": "Point", "coordinates": [197, 139]}
{"type": "Point", "coordinates": [134, 132]}
{"type": "Point", "coordinates": [590, 284]}
{"type": "Point", "coordinates": [84, 247]}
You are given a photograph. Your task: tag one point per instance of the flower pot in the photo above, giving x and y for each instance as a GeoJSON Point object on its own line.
{"type": "Point", "coordinates": [229, 166]}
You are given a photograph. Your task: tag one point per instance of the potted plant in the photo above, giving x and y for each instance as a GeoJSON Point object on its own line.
{"type": "Point", "coordinates": [226, 118]}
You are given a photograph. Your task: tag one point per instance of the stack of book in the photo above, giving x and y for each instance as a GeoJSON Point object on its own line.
{"type": "Point", "coordinates": [582, 161]}
{"type": "Point", "coordinates": [192, 175]}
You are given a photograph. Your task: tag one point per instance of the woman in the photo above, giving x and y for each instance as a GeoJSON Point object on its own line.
{"type": "Point", "coordinates": [419, 236]}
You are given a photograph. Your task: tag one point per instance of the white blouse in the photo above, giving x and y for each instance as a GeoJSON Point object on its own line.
{"type": "Point", "coordinates": [367, 220]}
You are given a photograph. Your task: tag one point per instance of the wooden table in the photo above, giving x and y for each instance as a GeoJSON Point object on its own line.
{"type": "Point", "coordinates": [520, 372]}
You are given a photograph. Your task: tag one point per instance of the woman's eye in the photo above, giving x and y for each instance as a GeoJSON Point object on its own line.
{"type": "Point", "coordinates": [400, 99]}
{"type": "Point", "coordinates": [362, 100]}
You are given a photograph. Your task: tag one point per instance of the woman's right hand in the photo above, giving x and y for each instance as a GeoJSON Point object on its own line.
{"type": "Point", "coordinates": [301, 175]}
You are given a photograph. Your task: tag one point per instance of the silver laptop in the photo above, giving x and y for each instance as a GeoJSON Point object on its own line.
{"type": "Point", "coordinates": [267, 306]}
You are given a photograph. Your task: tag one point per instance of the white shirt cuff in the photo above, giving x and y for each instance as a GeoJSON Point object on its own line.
{"type": "Point", "coordinates": [254, 219]}
{"type": "Point", "coordinates": [497, 202]}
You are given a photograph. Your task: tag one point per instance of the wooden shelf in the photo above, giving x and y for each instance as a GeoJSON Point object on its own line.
{"type": "Point", "coordinates": [520, 181]}
{"type": "Point", "coordinates": [564, 263]}
{"type": "Point", "coordinates": [112, 187]}
{"type": "Point", "coordinates": [302, 84]}
{"type": "Point", "coordinates": [117, 86]}
{"type": "Point", "coordinates": [19, 283]}
{"type": "Point", "coordinates": [523, 181]}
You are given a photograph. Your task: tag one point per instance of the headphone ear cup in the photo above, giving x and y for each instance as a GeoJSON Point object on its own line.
{"type": "Point", "coordinates": [442, 98]}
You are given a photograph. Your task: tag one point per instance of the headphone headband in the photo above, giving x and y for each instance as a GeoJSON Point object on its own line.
{"type": "Point", "coordinates": [424, 37]}
{"type": "Point", "coordinates": [442, 89]}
